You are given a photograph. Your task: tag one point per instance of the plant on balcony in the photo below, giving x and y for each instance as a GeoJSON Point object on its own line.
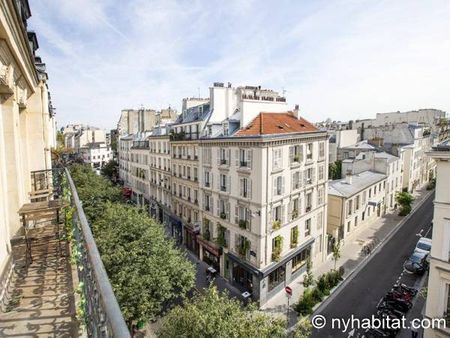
{"type": "Point", "coordinates": [294, 214]}
{"type": "Point", "coordinates": [294, 240]}
{"type": "Point", "coordinates": [221, 240]}
{"type": "Point", "coordinates": [214, 314]}
{"type": "Point", "coordinates": [276, 225]}
{"type": "Point", "coordinates": [243, 247]}
{"type": "Point", "coordinates": [207, 234]}
{"type": "Point", "coordinates": [243, 224]}
{"type": "Point", "coordinates": [297, 158]}
{"type": "Point", "coordinates": [223, 215]}
{"type": "Point", "coordinates": [277, 248]}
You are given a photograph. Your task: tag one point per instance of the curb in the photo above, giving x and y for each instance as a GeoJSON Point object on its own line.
{"type": "Point", "coordinates": [367, 259]}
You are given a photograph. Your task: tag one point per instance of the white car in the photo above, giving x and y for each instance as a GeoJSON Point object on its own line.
{"type": "Point", "coordinates": [423, 245]}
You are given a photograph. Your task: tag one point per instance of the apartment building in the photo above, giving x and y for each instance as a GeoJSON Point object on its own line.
{"type": "Point", "coordinates": [408, 142]}
{"type": "Point", "coordinates": [354, 202]}
{"type": "Point", "coordinates": [96, 154]}
{"type": "Point", "coordinates": [380, 162]}
{"type": "Point", "coordinates": [26, 124]}
{"type": "Point", "coordinates": [438, 296]}
{"type": "Point", "coordinates": [133, 121]}
{"type": "Point", "coordinates": [338, 140]}
{"type": "Point", "coordinates": [264, 202]}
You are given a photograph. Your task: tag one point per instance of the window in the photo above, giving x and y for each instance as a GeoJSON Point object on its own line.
{"type": "Point", "coordinates": [363, 215]}
{"type": "Point", "coordinates": [223, 156]}
{"type": "Point", "coordinates": [296, 180]}
{"type": "Point", "coordinates": [277, 214]}
{"type": "Point", "coordinates": [296, 154]}
{"type": "Point", "coordinates": [319, 220]}
{"type": "Point", "coordinates": [308, 205]}
{"type": "Point", "coordinates": [348, 226]}
{"type": "Point", "coordinates": [278, 185]}
{"type": "Point", "coordinates": [320, 196]}
{"type": "Point", "coordinates": [349, 207]}
{"type": "Point", "coordinates": [300, 259]}
{"type": "Point", "coordinates": [245, 187]}
{"type": "Point", "coordinates": [276, 277]}
{"type": "Point", "coordinates": [308, 227]}
{"type": "Point", "coordinates": [357, 203]}
{"type": "Point", "coordinates": [309, 151]}
{"type": "Point", "coordinates": [244, 158]}
{"type": "Point", "coordinates": [321, 149]}
{"type": "Point", "coordinates": [295, 205]}
{"type": "Point", "coordinates": [309, 176]}
{"type": "Point", "coordinates": [277, 160]}
{"type": "Point", "coordinates": [364, 196]}
{"type": "Point", "coordinates": [321, 172]}
{"type": "Point", "coordinates": [356, 221]}
{"type": "Point", "coordinates": [223, 182]}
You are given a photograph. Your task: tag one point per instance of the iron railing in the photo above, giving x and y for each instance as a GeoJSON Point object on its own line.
{"type": "Point", "coordinates": [104, 318]}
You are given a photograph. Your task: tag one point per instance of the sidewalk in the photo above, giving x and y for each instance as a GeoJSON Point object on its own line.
{"type": "Point", "coordinates": [351, 257]}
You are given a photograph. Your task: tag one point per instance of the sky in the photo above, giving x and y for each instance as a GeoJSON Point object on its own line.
{"type": "Point", "coordinates": [340, 59]}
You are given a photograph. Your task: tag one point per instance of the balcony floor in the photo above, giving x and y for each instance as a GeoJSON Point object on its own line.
{"type": "Point", "coordinates": [42, 300]}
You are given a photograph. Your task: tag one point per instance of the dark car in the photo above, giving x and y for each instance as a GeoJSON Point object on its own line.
{"type": "Point", "coordinates": [417, 263]}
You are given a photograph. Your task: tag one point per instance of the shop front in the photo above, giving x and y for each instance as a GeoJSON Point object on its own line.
{"type": "Point", "coordinates": [190, 239]}
{"type": "Point", "coordinates": [210, 254]}
{"type": "Point", "coordinates": [242, 275]}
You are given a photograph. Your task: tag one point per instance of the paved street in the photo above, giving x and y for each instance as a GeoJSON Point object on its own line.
{"type": "Point", "coordinates": [361, 295]}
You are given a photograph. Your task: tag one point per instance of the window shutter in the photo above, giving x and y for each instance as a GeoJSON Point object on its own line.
{"type": "Point", "coordinates": [282, 185]}
{"type": "Point", "coordinates": [290, 210]}
{"type": "Point", "coordinates": [249, 218]}
{"type": "Point", "coordinates": [274, 182]}
{"type": "Point", "coordinates": [218, 207]}
{"type": "Point", "coordinates": [241, 187]}
{"type": "Point", "coordinates": [249, 188]}
{"type": "Point", "coordinates": [273, 158]}
{"type": "Point", "coordinates": [293, 181]}
{"type": "Point", "coordinates": [282, 214]}
{"type": "Point", "coordinates": [236, 152]}
{"type": "Point", "coordinates": [301, 152]}
{"type": "Point", "coordinates": [249, 157]}
{"type": "Point", "coordinates": [305, 176]}
{"type": "Point", "coordinates": [227, 210]}
{"type": "Point", "coordinates": [228, 179]}
{"type": "Point", "coordinates": [218, 156]}
{"type": "Point", "coordinates": [228, 153]}
{"type": "Point", "coordinates": [291, 154]}
{"type": "Point", "coordinates": [236, 214]}
{"type": "Point", "coordinates": [313, 174]}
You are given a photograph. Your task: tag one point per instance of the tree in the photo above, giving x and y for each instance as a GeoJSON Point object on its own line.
{"type": "Point", "coordinates": [303, 329]}
{"type": "Point", "coordinates": [147, 272]}
{"type": "Point", "coordinates": [111, 170]}
{"type": "Point", "coordinates": [335, 170]}
{"type": "Point", "coordinates": [308, 279]}
{"type": "Point", "coordinates": [336, 253]}
{"type": "Point", "coordinates": [60, 138]}
{"type": "Point", "coordinates": [405, 200]}
{"type": "Point", "coordinates": [213, 314]}
{"type": "Point", "coordinates": [145, 268]}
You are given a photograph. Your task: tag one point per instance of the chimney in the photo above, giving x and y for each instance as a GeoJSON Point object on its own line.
{"type": "Point", "coordinates": [348, 177]}
{"type": "Point", "coordinates": [296, 111]}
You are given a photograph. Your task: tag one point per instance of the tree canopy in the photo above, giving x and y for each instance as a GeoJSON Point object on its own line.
{"type": "Point", "coordinates": [214, 315]}
{"type": "Point", "coordinates": [146, 270]}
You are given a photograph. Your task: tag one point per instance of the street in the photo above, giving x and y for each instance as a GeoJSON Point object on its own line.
{"type": "Point", "coordinates": [361, 295]}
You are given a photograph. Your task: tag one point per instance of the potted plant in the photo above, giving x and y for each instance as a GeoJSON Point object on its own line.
{"type": "Point", "coordinates": [276, 225]}
{"type": "Point", "coordinates": [294, 214]}
{"type": "Point", "coordinates": [243, 224]}
{"type": "Point", "coordinates": [223, 215]}
{"type": "Point", "coordinates": [278, 245]}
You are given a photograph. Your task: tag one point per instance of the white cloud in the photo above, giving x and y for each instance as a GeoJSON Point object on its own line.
{"type": "Point", "coordinates": [336, 59]}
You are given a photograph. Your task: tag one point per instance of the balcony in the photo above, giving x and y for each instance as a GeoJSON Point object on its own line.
{"type": "Point", "coordinates": [47, 291]}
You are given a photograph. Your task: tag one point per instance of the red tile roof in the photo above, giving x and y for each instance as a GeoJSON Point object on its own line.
{"type": "Point", "coordinates": [276, 123]}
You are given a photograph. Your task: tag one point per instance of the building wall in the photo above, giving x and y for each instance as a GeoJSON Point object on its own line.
{"type": "Point", "coordinates": [439, 276]}
{"type": "Point", "coordinates": [26, 126]}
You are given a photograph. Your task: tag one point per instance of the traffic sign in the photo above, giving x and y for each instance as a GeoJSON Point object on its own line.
{"type": "Point", "coordinates": [288, 291]}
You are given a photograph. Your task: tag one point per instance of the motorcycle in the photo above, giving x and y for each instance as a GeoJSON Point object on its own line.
{"type": "Point", "coordinates": [405, 288]}
{"type": "Point", "coordinates": [400, 295]}
{"type": "Point", "coordinates": [397, 304]}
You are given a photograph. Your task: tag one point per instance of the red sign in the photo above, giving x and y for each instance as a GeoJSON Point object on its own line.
{"type": "Point", "coordinates": [288, 290]}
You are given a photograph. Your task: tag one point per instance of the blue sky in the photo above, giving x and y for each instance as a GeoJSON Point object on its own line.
{"type": "Point", "coordinates": [344, 59]}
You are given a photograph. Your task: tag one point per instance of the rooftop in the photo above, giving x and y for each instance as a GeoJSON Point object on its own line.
{"type": "Point", "coordinates": [276, 123]}
{"type": "Point", "coordinates": [361, 145]}
{"type": "Point", "coordinates": [359, 182]}
{"type": "Point", "coordinates": [390, 158]}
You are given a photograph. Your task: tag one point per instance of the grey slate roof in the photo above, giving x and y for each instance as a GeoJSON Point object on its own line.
{"type": "Point", "coordinates": [359, 182]}
{"type": "Point", "coordinates": [390, 158]}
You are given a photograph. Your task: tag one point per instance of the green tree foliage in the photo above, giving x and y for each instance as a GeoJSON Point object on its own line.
{"type": "Point", "coordinates": [111, 170]}
{"type": "Point", "coordinates": [308, 278]}
{"type": "Point", "coordinates": [335, 170]}
{"type": "Point", "coordinates": [146, 270]}
{"type": "Point", "coordinates": [215, 315]}
{"type": "Point", "coordinates": [303, 329]}
{"type": "Point", "coordinates": [336, 253]}
{"type": "Point", "coordinates": [405, 200]}
{"type": "Point", "coordinates": [60, 138]}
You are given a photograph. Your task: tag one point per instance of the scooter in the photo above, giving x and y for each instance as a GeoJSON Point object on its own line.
{"type": "Point", "coordinates": [397, 304]}
{"type": "Point", "coordinates": [400, 295]}
{"type": "Point", "coordinates": [394, 297]}
{"type": "Point", "coordinates": [406, 288]}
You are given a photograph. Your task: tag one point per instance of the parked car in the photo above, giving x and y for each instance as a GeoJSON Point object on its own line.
{"type": "Point", "coordinates": [417, 263]}
{"type": "Point", "coordinates": [423, 245]}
